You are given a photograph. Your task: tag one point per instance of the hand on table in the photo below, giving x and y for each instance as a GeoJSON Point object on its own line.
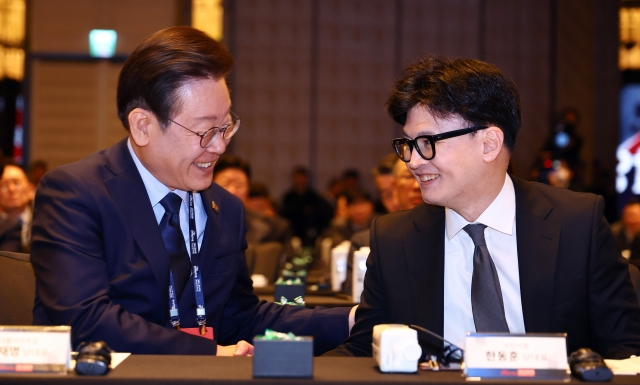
{"type": "Point", "coordinates": [242, 348]}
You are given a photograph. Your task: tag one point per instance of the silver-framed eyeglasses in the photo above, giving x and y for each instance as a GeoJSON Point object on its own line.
{"type": "Point", "coordinates": [208, 137]}
{"type": "Point", "coordinates": [426, 144]}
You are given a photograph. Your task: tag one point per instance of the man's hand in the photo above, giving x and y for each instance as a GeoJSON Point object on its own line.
{"type": "Point", "coordinates": [242, 348]}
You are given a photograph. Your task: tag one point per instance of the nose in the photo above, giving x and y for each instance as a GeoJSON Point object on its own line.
{"type": "Point", "coordinates": [219, 146]}
{"type": "Point", "coordinates": [416, 160]}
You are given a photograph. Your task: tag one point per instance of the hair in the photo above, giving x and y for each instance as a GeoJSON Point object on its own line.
{"type": "Point", "coordinates": [10, 162]}
{"type": "Point", "coordinates": [356, 195]}
{"type": "Point", "coordinates": [302, 170]}
{"type": "Point", "coordinates": [471, 89]}
{"type": "Point", "coordinates": [226, 161]}
{"type": "Point", "coordinates": [385, 165]}
{"type": "Point", "coordinates": [259, 190]}
{"type": "Point", "coordinates": [153, 75]}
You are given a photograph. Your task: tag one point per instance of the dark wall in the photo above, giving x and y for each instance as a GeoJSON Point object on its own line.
{"type": "Point", "coordinates": [312, 76]}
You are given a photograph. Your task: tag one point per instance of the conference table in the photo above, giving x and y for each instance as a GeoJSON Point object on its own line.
{"type": "Point", "coordinates": [166, 370]}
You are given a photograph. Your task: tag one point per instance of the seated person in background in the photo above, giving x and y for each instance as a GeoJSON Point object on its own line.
{"type": "Point", "coordinates": [123, 238]}
{"type": "Point", "coordinates": [10, 229]}
{"type": "Point", "coordinates": [261, 201]}
{"type": "Point", "coordinates": [488, 252]}
{"type": "Point", "coordinates": [16, 197]}
{"type": "Point", "coordinates": [407, 193]}
{"type": "Point", "coordinates": [627, 229]}
{"type": "Point", "coordinates": [359, 213]}
{"type": "Point", "coordinates": [383, 178]}
{"type": "Point", "coordinates": [234, 174]}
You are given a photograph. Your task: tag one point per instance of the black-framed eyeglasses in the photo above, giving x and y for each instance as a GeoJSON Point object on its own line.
{"type": "Point", "coordinates": [426, 144]}
{"type": "Point", "coordinates": [208, 137]}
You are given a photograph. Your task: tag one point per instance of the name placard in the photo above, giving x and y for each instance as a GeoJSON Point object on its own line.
{"type": "Point", "coordinates": [513, 356]}
{"type": "Point", "coordinates": [35, 349]}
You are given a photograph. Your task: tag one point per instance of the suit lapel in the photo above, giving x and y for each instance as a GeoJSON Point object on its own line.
{"type": "Point", "coordinates": [538, 240]}
{"type": "Point", "coordinates": [212, 229]}
{"type": "Point", "coordinates": [424, 256]}
{"type": "Point", "coordinates": [130, 195]}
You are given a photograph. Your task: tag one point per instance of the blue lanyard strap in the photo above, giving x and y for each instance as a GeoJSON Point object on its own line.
{"type": "Point", "coordinates": [201, 315]}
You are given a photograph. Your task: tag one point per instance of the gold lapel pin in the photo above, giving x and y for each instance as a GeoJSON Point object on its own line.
{"type": "Point", "coordinates": [214, 206]}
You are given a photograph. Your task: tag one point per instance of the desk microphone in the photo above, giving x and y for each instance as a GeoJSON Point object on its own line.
{"type": "Point", "coordinates": [449, 351]}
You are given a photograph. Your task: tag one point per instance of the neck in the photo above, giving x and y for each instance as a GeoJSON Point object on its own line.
{"type": "Point", "coordinates": [482, 200]}
{"type": "Point", "coordinates": [14, 213]}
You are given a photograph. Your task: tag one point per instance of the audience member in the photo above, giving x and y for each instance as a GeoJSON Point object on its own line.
{"type": "Point", "coordinates": [10, 228]}
{"type": "Point", "coordinates": [627, 229]}
{"type": "Point", "coordinates": [234, 174]}
{"type": "Point", "coordinates": [544, 259]}
{"type": "Point", "coordinates": [16, 198]}
{"type": "Point", "coordinates": [37, 169]}
{"type": "Point", "coordinates": [359, 215]}
{"type": "Point", "coordinates": [384, 179]}
{"type": "Point", "coordinates": [308, 212]}
{"type": "Point", "coordinates": [261, 201]}
{"type": "Point", "coordinates": [124, 239]}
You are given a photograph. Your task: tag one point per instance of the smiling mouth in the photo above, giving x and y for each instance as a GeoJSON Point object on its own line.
{"type": "Point", "coordinates": [426, 178]}
{"type": "Point", "coordinates": [204, 165]}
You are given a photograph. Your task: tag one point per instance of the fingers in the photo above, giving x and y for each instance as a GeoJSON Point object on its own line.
{"type": "Point", "coordinates": [243, 348]}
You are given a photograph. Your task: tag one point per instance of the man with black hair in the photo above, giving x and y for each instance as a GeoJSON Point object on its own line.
{"type": "Point", "coordinates": [134, 245]}
{"type": "Point", "coordinates": [488, 252]}
{"type": "Point", "coordinates": [10, 228]}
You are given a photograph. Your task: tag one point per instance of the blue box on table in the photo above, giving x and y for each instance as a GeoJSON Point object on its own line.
{"type": "Point", "coordinates": [283, 358]}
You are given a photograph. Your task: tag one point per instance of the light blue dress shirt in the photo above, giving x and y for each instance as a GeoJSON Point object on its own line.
{"type": "Point", "coordinates": [156, 191]}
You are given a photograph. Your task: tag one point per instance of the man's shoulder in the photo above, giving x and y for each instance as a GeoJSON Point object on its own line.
{"type": "Point", "coordinates": [405, 220]}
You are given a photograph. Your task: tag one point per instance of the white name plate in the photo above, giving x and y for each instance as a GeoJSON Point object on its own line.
{"type": "Point", "coordinates": [35, 349]}
{"type": "Point", "coordinates": [513, 356]}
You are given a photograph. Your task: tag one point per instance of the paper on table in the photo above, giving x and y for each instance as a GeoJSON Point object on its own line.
{"type": "Point", "coordinates": [116, 359]}
{"type": "Point", "coordinates": [627, 367]}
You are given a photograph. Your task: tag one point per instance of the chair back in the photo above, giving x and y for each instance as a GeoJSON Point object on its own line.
{"type": "Point", "coordinates": [266, 260]}
{"type": "Point", "coordinates": [17, 289]}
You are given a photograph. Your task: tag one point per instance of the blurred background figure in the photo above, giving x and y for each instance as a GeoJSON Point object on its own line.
{"type": "Point", "coordinates": [37, 169]}
{"type": "Point", "coordinates": [10, 228]}
{"type": "Point", "coordinates": [405, 188]}
{"type": "Point", "coordinates": [307, 211]}
{"type": "Point", "coordinates": [234, 175]}
{"type": "Point", "coordinates": [626, 230]}
{"type": "Point", "coordinates": [359, 213]}
{"type": "Point", "coordinates": [384, 179]}
{"type": "Point", "coordinates": [260, 200]}
{"type": "Point", "coordinates": [16, 199]}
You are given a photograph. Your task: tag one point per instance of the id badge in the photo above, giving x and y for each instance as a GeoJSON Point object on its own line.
{"type": "Point", "coordinates": [196, 332]}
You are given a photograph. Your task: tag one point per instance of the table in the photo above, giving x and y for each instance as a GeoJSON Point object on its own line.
{"type": "Point", "coordinates": [167, 370]}
{"type": "Point", "coordinates": [312, 301]}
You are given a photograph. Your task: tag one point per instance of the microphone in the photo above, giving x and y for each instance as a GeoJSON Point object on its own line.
{"type": "Point", "coordinates": [450, 352]}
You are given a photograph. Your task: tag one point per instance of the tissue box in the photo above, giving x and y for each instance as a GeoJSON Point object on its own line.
{"type": "Point", "coordinates": [283, 358]}
{"type": "Point", "coordinates": [290, 292]}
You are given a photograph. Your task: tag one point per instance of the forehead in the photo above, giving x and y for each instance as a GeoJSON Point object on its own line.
{"type": "Point", "coordinates": [231, 174]}
{"type": "Point", "coordinates": [420, 121]}
{"type": "Point", "coordinates": [203, 99]}
{"type": "Point", "coordinates": [13, 172]}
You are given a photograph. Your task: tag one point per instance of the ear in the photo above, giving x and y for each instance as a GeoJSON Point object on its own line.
{"type": "Point", "coordinates": [140, 121]}
{"type": "Point", "coordinates": [493, 143]}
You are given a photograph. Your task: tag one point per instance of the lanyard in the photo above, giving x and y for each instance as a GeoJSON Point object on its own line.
{"type": "Point", "coordinates": [201, 315]}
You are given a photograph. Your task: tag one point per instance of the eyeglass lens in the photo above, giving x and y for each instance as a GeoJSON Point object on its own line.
{"type": "Point", "coordinates": [404, 148]}
{"type": "Point", "coordinates": [227, 132]}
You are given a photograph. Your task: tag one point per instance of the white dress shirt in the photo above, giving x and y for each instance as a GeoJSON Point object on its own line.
{"type": "Point", "coordinates": [156, 191]}
{"type": "Point", "coordinates": [500, 235]}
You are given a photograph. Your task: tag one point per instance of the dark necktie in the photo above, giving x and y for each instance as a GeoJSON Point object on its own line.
{"type": "Point", "coordinates": [486, 295]}
{"type": "Point", "coordinates": [179, 261]}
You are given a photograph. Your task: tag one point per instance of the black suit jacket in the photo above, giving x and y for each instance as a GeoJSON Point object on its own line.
{"type": "Point", "coordinates": [101, 266]}
{"type": "Point", "coordinates": [572, 276]}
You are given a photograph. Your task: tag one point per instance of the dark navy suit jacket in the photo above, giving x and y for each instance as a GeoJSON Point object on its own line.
{"type": "Point", "coordinates": [101, 266]}
{"type": "Point", "coordinates": [573, 278]}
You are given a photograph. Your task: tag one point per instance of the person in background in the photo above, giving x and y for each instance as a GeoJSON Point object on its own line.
{"type": "Point", "coordinates": [37, 169]}
{"type": "Point", "coordinates": [260, 200]}
{"type": "Point", "coordinates": [384, 180]}
{"type": "Point", "coordinates": [10, 228]}
{"type": "Point", "coordinates": [234, 175]}
{"type": "Point", "coordinates": [135, 245]}
{"type": "Point", "coordinates": [307, 211]}
{"type": "Point", "coordinates": [627, 229]}
{"type": "Point", "coordinates": [488, 252]}
{"type": "Point", "coordinates": [16, 199]}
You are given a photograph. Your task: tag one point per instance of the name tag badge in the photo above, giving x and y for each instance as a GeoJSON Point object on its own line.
{"type": "Point", "coordinates": [516, 356]}
{"type": "Point", "coordinates": [35, 349]}
{"type": "Point", "coordinates": [196, 332]}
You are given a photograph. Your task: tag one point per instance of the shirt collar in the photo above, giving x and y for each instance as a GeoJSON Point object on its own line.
{"type": "Point", "coordinates": [499, 215]}
{"type": "Point", "coordinates": [155, 189]}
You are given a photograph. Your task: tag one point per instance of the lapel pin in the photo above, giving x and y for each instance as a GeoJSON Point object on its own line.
{"type": "Point", "coordinates": [214, 206]}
